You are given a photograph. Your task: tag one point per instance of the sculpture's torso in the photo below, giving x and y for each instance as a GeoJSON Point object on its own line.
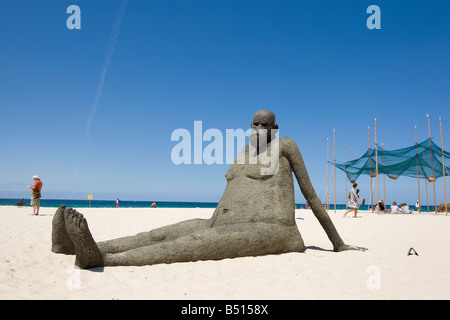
{"type": "Point", "coordinates": [251, 196]}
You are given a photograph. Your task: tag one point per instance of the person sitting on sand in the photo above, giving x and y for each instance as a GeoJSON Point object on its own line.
{"type": "Point", "coordinates": [255, 216]}
{"type": "Point", "coordinates": [154, 205]}
{"type": "Point", "coordinates": [404, 208]}
{"type": "Point", "coordinates": [394, 208]}
{"type": "Point", "coordinates": [381, 206]}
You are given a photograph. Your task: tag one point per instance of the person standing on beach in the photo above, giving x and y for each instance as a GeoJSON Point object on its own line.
{"type": "Point", "coordinates": [353, 201]}
{"type": "Point", "coordinates": [36, 195]}
{"type": "Point", "coordinates": [117, 202]}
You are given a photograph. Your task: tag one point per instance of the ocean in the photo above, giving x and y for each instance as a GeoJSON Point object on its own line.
{"type": "Point", "coordinates": [54, 203]}
{"type": "Point", "coordinates": [110, 203]}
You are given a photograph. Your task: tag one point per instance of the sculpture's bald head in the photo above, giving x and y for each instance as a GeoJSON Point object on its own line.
{"type": "Point", "coordinates": [263, 119]}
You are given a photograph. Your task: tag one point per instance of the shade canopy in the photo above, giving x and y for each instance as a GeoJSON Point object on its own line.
{"type": "Point", "coordinates": [419, 159]}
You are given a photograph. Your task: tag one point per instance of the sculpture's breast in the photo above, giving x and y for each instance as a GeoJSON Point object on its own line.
{"type": "Point", "coordinates": [251, 165]}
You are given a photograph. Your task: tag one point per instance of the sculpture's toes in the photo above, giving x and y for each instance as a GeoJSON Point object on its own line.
{"type": "Point", "coordinates": [61, 242]}
{"type": "Point", "coordinates": [87, 253]}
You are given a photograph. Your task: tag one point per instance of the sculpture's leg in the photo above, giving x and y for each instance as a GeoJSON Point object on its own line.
{"type": "Point", "coordinates": [228, 241]}
{"type": "Point", "coordinates": [143, 239]}
{"type": "Point", "coordinates": [61, 242]}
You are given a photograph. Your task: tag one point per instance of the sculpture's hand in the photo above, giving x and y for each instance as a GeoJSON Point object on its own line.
{"type": "Point", "coordinates": [346, 247]}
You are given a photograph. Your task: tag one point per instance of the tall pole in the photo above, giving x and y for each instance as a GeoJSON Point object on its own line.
{"type": "Point", "coordinates": [334, 163]}
{"type": "Point", "coordinates": [384, 183]}
{"type": "Point", "coordinates": [328, 169]}
{"type": "Point", "coordinates": [426, 190]}
{"type": "Point", "coordinates": [426, 185]}
{"type": "Point", "coordinates": [417, 161]}
{"type": "Point", "coordinates": [432, 171]}
{"type": "Point", "coordinates": [370, 171]}
{"type": "Point", "coordinates": [346, 178]}
{"type": "Point", "coordinates": [443, 168]}
{"type": "Point", "coordinates": [376, 166]}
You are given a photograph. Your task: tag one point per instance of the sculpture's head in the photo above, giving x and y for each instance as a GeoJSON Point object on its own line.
{"type": "Point", "coordinates": [265, 120]}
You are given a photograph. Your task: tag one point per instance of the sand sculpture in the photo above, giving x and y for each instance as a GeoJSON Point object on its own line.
{"type": "Point", "coordinates": [255, 216]}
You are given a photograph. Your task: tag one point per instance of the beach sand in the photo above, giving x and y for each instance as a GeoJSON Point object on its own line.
{"type": "Point", "coordinates": [29, 270]}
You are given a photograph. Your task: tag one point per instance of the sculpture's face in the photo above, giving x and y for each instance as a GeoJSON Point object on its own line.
{"type": "Point", "coordinates": [265, 120]}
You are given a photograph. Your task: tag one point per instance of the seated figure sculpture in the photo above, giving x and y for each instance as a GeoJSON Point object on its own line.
{"type": "Point", "coordinates": [255, 216]}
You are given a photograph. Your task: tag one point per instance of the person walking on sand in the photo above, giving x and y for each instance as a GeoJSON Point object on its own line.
{"type": "Point", "coordinates": [353, 201]}
{"type": "Point", "coordinates": [36, 195]}
{"type": "Point", "coordinates": [117, 202]}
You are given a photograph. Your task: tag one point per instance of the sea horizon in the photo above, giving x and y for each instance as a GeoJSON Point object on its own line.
{"type": "Point", "coordinates": [78, 203]}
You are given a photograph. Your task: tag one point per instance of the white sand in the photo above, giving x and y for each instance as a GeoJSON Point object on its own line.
{"type": "Point", "coordinates": [29, 270]}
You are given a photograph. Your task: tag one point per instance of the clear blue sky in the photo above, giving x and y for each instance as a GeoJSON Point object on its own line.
{"type": "Point", "coordinates": [92, 110]}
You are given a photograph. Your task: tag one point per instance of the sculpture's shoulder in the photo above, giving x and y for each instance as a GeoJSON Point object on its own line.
{"type": "Point", "coordinates": [287, 145]}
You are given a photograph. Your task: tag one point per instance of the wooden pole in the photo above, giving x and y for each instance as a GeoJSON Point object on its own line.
{"type": "Point", "coordinates": [328, 170]}
{"type": "Point", "coordinates": [384, 183]}
{"type": "Point", "coordinates": [346, 179]}
{"type": "Point", "coordinates": [370, 170]}
{"type": "Point", "coordinates": [426, 189]}
{"type": "Point", "coordinates": [443, 168]}
{"type": "Point", "coordinates": [376, 166]}
{"type": "Point", "coordinates": [432, 171]}
{"type": "Point", "coordinates": [334, 163]}
{"type": "Point", "coordinates": [417, 160]}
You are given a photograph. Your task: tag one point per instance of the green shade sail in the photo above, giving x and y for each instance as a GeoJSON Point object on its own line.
{"type": "Point", "coordinates": [420, 159]}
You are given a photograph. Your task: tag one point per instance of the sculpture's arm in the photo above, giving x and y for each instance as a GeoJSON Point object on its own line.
{"type": "Point", "coordinates": [290, 150]}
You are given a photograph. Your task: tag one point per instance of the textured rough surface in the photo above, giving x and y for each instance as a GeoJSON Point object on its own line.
{"type": "Point", "coordinates": [86, 250]}
{"type": "Point", "coordinates": [61, 242]}
{"type": "Point", "coordinates": [255, 216]}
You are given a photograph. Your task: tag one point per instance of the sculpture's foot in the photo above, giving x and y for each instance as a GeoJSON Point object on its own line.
{"type": "Point", "coordinates": [61, 243]}
{"type": "Point", "coordinates": [87, 253]}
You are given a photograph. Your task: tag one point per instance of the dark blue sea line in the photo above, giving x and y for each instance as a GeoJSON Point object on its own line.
{"type": "Point", "coordinates": [110, 203]}
{"type": "Point", "coordinates": [54, 203]}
